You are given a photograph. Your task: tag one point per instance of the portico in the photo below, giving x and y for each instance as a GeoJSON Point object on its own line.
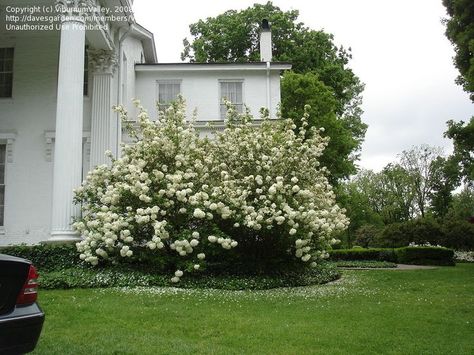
{"type": "Point", "coordinates": [56, 120]}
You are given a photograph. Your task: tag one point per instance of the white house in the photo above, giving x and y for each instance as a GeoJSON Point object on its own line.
{"type": "Point", "coordinates": [60, 77]}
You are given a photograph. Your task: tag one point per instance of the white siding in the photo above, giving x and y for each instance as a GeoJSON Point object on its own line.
{"type": "Point", "coordinates": [201, 90]}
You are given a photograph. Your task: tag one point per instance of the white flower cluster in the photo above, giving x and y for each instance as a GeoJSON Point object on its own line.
{"type": "Point", "coordinates": [225, 243]}
{"type": "Point", "coordinates": [171, 189]}
{"type": "Point", "coordinates": [464, 256]}
{"type": "Point", "coordinates": [427, 244]}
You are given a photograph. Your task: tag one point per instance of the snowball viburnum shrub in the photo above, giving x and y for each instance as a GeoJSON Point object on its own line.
{"type": "Point", "coordinates": [252, 189]}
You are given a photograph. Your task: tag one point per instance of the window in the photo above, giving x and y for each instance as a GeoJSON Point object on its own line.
{"type": "Point", "coordinates": [86, 71]}
{"type": "Point", "coordinates": [2, 182]}
{"type": "Point", "coordinates": [168, 91]}
{"type": "Point", "coordinates": [6, 72]}
{"type": "Point", "coordinates": [230, 90]}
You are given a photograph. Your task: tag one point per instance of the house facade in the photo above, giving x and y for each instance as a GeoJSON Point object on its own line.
{"type": "Point", "coordinates": [57, 88]}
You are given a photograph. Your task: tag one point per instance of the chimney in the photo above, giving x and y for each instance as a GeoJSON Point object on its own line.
{"type": "Point", "coordinates": [265, 42]}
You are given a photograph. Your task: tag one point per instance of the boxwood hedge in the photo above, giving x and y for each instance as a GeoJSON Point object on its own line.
{"type": "Point", "coordinates": [425, 256]}
{"type": "Point", "coordinates": [46, 257]}
{"type": "Point", "coordinates": [379, 254]}
{"type": "Point", "coordinates": [405, 255]}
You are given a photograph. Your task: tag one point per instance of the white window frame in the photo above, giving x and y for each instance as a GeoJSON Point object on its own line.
{"type": "Point", "coordinates": [163, 106]}
{"type": "Point", "coordinates": [221, 111]}
{"type": "Point", "coordinates": [9, 71]}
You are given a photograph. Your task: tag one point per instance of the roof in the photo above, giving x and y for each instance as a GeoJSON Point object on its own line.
{"type": "Point", "coordinates": [211, 66]}
{"type": "Point", "coordinates": [148, 41]}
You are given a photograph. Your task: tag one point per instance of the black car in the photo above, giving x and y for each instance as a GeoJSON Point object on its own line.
{"type": "Point", "coordinates": [21, 319]}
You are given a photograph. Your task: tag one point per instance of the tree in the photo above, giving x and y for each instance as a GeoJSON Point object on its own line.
{"type": "Point", "coordinates": [462, 135]}
{"type": "Point", "coordinates": [353, 197]}
{"type": "Point", "coordinates": [234, 37]}
{"type": "Point", "coordinates": [460, 31]}
{"type": "Point", "coordinates": [299, 90]}
{"type": "Point", "coordinates": [445, 180]}
{"type": "Point", "coordinates": [419, 163]}
{"type": "Point", "coordinates": [389, 192]}
{"type": "Point", "coordinates": [423, 181]}
{"type": "Point", "coordinates": [458, 223]}
{"type": "Point", "coordinates": [397, 192]}
{"type": "Point", "coordinates": [462, 206]}
{"type": "Point", "coordinates": [378, 198]}
{"type": "Point", "coordinates": [368, 184]}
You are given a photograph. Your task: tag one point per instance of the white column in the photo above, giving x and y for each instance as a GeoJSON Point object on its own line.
{"type": "Point", "coordinates": [69, 116]}
{"type": "Point", "coordinates": [103, 63]}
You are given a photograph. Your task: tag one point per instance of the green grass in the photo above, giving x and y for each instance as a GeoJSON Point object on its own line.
{"type": "Point", "coordinates": [365, 312]}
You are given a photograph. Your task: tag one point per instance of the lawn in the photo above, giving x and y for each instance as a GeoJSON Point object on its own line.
{"type": "Point", "coordinates": [366, 312]}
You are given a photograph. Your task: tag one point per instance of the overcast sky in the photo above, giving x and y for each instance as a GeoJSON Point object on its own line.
{"type": "Point", "coordinates": [399, 52]}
